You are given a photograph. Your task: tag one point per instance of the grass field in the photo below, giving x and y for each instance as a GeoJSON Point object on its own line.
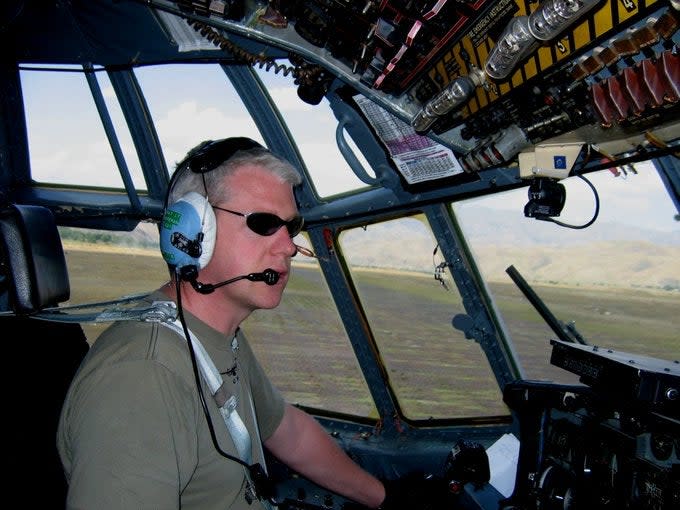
{"type": "Point", "coordinates": [434, 370]}
{"type": "Point", "coordinates": [643, 322]}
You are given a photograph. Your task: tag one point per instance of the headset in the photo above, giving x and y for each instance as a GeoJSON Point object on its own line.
{"type": "Point", "coordinates": [189, 228]}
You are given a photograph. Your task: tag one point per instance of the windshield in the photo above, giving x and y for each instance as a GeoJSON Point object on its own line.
{"type": "Point", "coordinates": [618, 280]}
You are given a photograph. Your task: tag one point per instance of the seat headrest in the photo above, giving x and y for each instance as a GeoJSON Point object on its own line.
{"type": "Point", "coordinates": [32, 258]}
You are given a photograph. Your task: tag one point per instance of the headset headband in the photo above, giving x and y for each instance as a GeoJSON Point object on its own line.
{"type": "Point", "coordinates": [211, 154]}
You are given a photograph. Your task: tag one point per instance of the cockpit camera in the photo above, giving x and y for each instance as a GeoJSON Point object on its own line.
{"type": "Point", "coordinates": [546, 198]}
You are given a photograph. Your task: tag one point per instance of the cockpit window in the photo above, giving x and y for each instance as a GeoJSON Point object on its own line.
{"type": "Point", "coordinates": [71, 149]}
{"type": "Point", "coordinates": [434, 371]}
{"type": "Point", "coordinates": [192, 103]}
{"type": "Point", "coordinates": [617, 280]}
{"type": "Point", "coordinates": [314, 129]}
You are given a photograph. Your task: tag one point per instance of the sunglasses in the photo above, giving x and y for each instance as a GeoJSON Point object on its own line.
{"type": "Point", "coordinates": [213, 153]}
{"type": "Point", "coordinates": [267, 224]}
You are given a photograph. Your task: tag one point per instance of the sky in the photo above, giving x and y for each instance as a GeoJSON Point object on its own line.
{"type": "Point", "coordinates": [189, 106]}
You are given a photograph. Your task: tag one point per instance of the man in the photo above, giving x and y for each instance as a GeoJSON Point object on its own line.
{"type": "Point", "coordinates": [135, 431]}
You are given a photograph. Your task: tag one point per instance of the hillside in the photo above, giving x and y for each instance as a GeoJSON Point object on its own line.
{"type": "Point", "coordinates": [609, 263]}
{"type": "Point", "coordinates": [610, 254]}
{"type": "Point", "coordinates": [606, 254]}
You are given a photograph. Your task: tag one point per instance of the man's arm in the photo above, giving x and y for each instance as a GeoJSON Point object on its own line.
{"type": "Point", "coordinates": [301, 443]}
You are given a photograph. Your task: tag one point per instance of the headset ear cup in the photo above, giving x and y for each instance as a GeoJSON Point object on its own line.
{"type": "Point", "coordinates": [188, 232]}
{"type": "Point", "coordinates": [209, 232]}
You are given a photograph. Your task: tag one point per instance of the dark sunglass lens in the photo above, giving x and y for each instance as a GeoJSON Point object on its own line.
{"type": "Point", "coordinates": [294, 226]}
{"type": "Point", "coordinates": [264, 224]}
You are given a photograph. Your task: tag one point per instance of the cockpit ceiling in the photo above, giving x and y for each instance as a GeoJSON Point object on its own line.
{"type": "Point", "coordinates": [101, 33]}
{"type": "Point", "coordinates": [490, 78]}
{"type": "Point", "coordinates": [50, 32]}
{"type": "Point", "coordinates": [397, 47]}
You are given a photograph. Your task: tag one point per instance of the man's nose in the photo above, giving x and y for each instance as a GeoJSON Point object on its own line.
{"type": "Point", "coordinates": [284, 240]}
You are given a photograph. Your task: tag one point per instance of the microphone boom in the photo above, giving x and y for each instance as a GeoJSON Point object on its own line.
{"type": "Point", "coordinates": [268, 276]}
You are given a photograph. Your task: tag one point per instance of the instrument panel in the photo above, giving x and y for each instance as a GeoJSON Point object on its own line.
{"type": "Point", "coordinates": [611, 444]}
{"type": "Point", "coordinates": [497, 77]}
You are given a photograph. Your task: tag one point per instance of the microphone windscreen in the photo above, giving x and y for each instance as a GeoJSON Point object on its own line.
{"type": "Point", "coordinates": [270, 276]}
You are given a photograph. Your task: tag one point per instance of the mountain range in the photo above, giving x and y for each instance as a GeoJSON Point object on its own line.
{"type": "Point", "coordinates": [604, 254]}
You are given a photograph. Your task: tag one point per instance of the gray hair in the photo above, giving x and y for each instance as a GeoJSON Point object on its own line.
{"type": "Point", "coordinates": [215, 180]}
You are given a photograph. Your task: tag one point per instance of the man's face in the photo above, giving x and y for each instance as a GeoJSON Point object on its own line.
{"type": "Point", "coordinates": [240, 251]}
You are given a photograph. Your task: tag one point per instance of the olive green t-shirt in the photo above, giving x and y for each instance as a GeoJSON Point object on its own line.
{"type": "Point", "coordinates": [133, 434]}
